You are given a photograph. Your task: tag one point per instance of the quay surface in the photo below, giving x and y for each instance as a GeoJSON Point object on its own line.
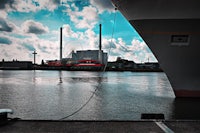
{"type": "Point", "coordinates": [143, 126]}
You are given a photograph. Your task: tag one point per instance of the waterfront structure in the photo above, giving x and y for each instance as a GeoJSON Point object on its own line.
{"type": "Point", "coordinates": [171, 30]}
{"type": "Point", "coordinates": [126, 65]}
{"type": "Point", "coordinates": [90, 55]}
{"type": "Point", "coordinates": [121, 65]}
{"type": "Point", "coordinates": [16, 65]}
{"type": "Point", "coordinates": [149, 67]}
{"type": "Point", "coordinates": [88, 60]}
{"type": "Point", "coordinates": [81, 60]}
{"type": "Point", "coordinates": [54, 63]}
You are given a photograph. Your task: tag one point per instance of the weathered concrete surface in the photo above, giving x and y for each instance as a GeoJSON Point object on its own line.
{"type": "Point", "coordinates": [36, 126]}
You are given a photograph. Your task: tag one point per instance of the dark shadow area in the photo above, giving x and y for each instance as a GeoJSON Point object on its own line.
{"type": "Point", "coordinates": [186, 108]}
{"type": "Point", "coordinates": [152, 116]}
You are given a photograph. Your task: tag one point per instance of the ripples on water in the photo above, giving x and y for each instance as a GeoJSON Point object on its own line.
{"type": "Point", "coordinates": [114, 95]}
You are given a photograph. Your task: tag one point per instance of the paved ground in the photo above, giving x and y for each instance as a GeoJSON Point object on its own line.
{"type": "Point", "coordinates": [35, 126]}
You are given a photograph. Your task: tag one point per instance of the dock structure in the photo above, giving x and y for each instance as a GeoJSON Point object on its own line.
{"type": "Point", "coordinates": [143, 126]}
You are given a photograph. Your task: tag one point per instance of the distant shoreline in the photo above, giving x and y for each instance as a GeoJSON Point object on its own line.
{"type": "Point", "coordinates": [118, 66]}
{"type": "Point", "coordinates": [67, 69]}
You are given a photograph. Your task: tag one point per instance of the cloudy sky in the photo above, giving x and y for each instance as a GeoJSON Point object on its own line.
{"type": "Point", "coordinates": [28, 25]}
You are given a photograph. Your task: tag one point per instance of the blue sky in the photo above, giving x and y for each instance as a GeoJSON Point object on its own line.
{"type": "Point", "coordinates": [28, 25]}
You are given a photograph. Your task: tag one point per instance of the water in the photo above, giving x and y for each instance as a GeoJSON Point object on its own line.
{"type": "Point", "coordinates": [54, 95]}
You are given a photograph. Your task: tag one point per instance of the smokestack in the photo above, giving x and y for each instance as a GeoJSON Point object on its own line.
{"type": "Point", "coordinates": [100, 51]}
{"type": "Point", "coordinates": [100, 37]}
{"type": "Point", "coordinates": [60, 43]}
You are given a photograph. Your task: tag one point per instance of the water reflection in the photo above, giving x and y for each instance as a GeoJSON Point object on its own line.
{"type": "Point", "coordinates": [101, 96]}
{"type": "Point", "coordinates": [60, 77]}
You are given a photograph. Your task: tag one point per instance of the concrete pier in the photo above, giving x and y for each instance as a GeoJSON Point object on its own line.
{"type": "Point", "coordinates": [147, 126]}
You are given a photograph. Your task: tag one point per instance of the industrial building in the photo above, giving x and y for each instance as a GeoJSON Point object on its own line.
{"type": "Point", "coordinates": [95, 55]}
{"type": "Point", "coordinates": [81, 60]}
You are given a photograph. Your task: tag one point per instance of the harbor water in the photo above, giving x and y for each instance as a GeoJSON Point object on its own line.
{"type": "Point", "coordinates": [81, 95]}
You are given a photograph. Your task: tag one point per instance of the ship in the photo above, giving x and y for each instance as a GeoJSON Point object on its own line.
{"type": "Point", "coordinates": [87, 65]}
{"type": "Point", "coordinates": [171, 29]}
{"type": "Point", "coordinates": [82, 60]}
{"type": "Point", "coordinates": [86, 60]}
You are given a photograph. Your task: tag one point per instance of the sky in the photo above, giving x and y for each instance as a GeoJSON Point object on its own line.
{"type": "Point", "coordinates": [34, 25]}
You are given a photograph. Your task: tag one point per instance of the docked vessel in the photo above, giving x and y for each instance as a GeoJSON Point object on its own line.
{"type": "Point", "coordinates": [88, 65]}
{"type": "Point", "coordinates": [171, 29]}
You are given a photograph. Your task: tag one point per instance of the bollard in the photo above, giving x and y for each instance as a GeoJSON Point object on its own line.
{"type": "Point", "coordinates": [4, 115]}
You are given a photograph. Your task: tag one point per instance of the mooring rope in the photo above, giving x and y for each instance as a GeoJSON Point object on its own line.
{"type": "Point", "coordinates": [90, 98]}
{"type": "Point", "coordinates": [112, 36]}
{"type": "Point", "coordinates": [81, 106]}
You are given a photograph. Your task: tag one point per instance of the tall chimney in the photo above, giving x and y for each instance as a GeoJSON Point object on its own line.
{"type": "Point", "coordinates": [100, 37]}
{"type": "Point", "coordinates": [60, 43]}
{"type": "Point", "coordinates": [100, 51]}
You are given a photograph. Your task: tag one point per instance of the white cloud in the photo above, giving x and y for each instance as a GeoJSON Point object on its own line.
{"type": "Point", "coordinates": [3, 13]}
{"type": "Point", "coordinates": [85, 18]}
{"type": "Point", "coordinates": [31, 26]}
{"type": "Point", "coordinates": [68, 32]}
{"type": "Point", "coordinates": [49, 50]}
{"type": "Point", "coordinates": [75, 40]}
{"type": "Point", "coordinates": [14, 50]}
{"type": "Point", "coordinates": [102, 5]}
{"type": "Point", "coordinates": [108, 44]}
{"type": "Point", "coordinates": [6, 26]}
{"type": "Point", "coordinates": [23, 49]}
{"type": "Point", "coordinates": [93, 40]}
{"type": "Point", "coordinates": [24, 6]}
{"type": "Point", "coordinates": [30, 5]}
{"type": "Point", "coordinates": [27, 6]}
{"type": "Point", "coordinates": [48, 4]}
{"type": "Point", "coordinates": [141, 51]}
{"type": "Point", "coordinates": [137, 51]}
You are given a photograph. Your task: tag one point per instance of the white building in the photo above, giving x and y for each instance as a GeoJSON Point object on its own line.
{"type": "Point", "coordinates": [90, 55]}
